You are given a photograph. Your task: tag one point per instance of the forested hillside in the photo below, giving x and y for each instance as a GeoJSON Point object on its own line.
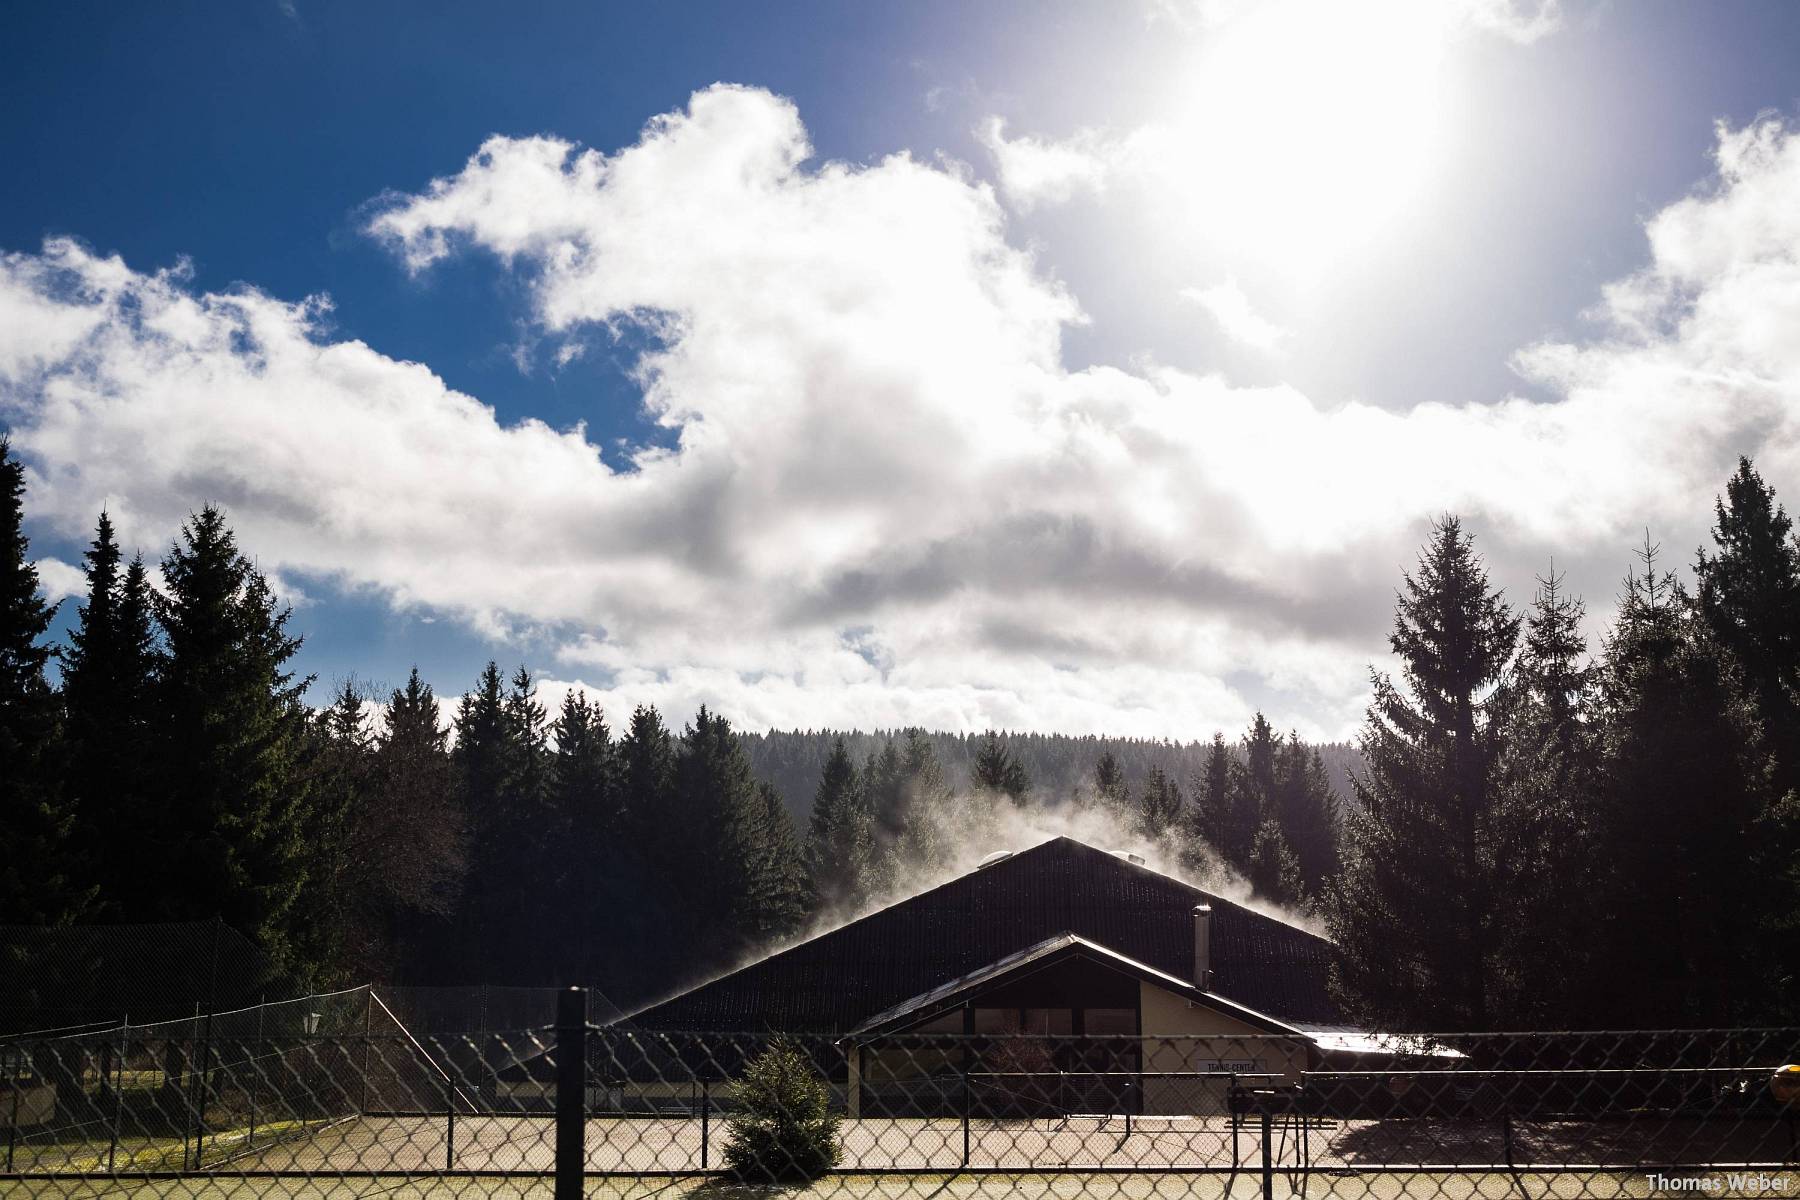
{"type": "Point", "coordinates": [1060, 765]}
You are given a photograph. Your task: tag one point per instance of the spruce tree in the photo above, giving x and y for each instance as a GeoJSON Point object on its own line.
{"type": "Point", "coordinates": [37, 884]}
{"type": "Point", "coordinates": [1547, 852]}
{"type": "Point", "coordinates": [1210, 814]}
{"type": "Point", "coordinates": [109, 672]}
{"type": "Point", "coordinates": [1305, 812]}
{"type": "Point", "coordinates": [1273, 870]}
{"type": "Point", "coordinates": [484, 760]}
{"type": "Point", "coordinates": [997, 771]}
{"type": "Point", "coordinates": [342, 769]}
{"type": "Point", "coordinates": [742, 879]}
{"type": "Point", "coordinates": [840, 838]}
{"type": "Point", "coordinates": [640, 956]}
{"type": "Point", "coordinates": [1109, 784]}
{"type": "Point", "coordinates": [1749, 595]}
{"type": "Point", "coordinates": [1686, 779]}
{"type": "Point", "coordinates": [1159, 807]}
{"type": "Point", "coordinates": [927, 805]}
{"type": "Point", "coordinates": [647, 774]}
{"type": "Point", "coordinates": [409, 849]}
{"type": "Point", "coordinates": [228, 838]}
{"type": "Point", "coordinates": [1252, 798]}
{"type": "Point", "coordinates": [1412, 910]}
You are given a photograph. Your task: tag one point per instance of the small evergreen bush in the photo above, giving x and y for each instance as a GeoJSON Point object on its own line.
{"type": "Point", "coordinates": [783, 1130]}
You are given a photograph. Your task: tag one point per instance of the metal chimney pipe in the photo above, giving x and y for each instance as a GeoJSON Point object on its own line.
{"type": "Point", "coordinates": [1203, 947]}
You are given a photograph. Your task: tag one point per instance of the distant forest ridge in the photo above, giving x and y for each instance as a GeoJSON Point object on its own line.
{"type": "Point", "coordinates": [1060, 765]}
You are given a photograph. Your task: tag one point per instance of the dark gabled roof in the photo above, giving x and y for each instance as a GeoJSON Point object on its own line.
{"type": "Point", "coordinates": [836, 981]}
{"type": "Point", "coordinates": [1046, 953]}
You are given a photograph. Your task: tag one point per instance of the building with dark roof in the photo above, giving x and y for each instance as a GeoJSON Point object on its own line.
{"type": "Point", "coordinates": [1056, 902]}
{"type": "Point", "coordinates": [1065, 943]}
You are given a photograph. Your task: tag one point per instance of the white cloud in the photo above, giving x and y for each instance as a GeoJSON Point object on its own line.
{"type": "Point", "coordinates": [1227, 304]}
{"type": "Point", "coordinates": [889, 500]}
{"type": "Point", "coordinates": [58, 580]}
{"type": "Point", "coordinates": [1035, 171]}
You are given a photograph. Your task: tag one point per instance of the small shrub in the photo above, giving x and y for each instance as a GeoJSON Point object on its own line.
{"type": "Point", "coordinates": [783, 1130]}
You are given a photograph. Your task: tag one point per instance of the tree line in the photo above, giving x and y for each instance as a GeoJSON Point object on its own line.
{"type": "Point", "coordinates": [1548, 838]}
{"type": "Point", "coordinates": [1535, 835]}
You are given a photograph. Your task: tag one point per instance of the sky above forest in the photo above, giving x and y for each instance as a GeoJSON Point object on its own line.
{"type": "Point", "coordinates": [1087, 367]}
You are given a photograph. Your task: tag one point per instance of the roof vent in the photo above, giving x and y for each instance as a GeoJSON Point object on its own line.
{"type": "Point", "coordinates": [1128, 856]}
{"type": "Point", "coordinates": [990, 860]}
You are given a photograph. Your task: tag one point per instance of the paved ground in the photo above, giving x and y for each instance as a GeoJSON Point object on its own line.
{"type": "Point", "coordinates": [677, 1143]}
{"type": "Point", "coordinates": [1062, 1186]}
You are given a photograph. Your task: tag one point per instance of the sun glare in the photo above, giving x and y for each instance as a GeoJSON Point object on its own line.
{"type": "Point", "coordinates": [1305, 129]}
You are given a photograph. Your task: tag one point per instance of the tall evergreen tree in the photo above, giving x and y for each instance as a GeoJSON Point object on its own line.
{"type": "Point", "coordinates": [928, 802]}
{"type": "Point", "coordinates": [1413, 909]}
{"type": "Point", "coordinates": [1109, 784]}
{"type": "Point", "coordinates": [742, 879]}
{"type": "Point", "coordinates": [647, 776]}
{"type": "Point", "coordinates": [109, 672]}
{"type": "Point", "coordinates": [502, 749]}
{"type": "Point", "coordinates": [230, 731]}
{"type": "Point", "coordinates": [409, 848]}
{"type": "Point", "coordinates": [1305, 813]}
{"type": "Point", "coordinates": [585, 795]}
{"type": "Point", "coordinates": [1252, 795]}
{"type": "Point", "coordinates": [1685, 786]}
{"type": "Point", "coordinates": [37, 884]}
{"type": "Point", "coordinates": [998, 771]}
{"type": "Point", "coordinates": [1547, 854]}
{"type": "Point", "coordinates": [1749, 595]}
{"type": "Point", "coordinates": [840, 841]}
{"type": "Point", "coordinates": [342, 771]}
{"type": "Point", "coordinates": [1210, 814]}
{"type": "Point", "coordinates": [1159, 807]}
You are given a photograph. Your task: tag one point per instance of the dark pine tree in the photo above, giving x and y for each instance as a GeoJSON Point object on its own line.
{"type": "Point", "coordinates": [1252, 796]}
{"type": "Point", "coordinates": [1686, 779]}
{"type": "Point", "coordinates": [1210, 815]}
{"type": "Point", "coordinates": [342, 776]}
{"type": "Point", "coordinates": [840, 840]}
{"type": "Point", "coordinates": [38, 883]}
{"type": "Point", "coordinates": [1109, 784]}
{"type": "Point", "coordinates": [1274, 871]}
{"type": "Point", "coordinates": [595, 858]}
{"type": "Point", "coordinates": [998, 771]}
{"type": "Point", "coordinates": [740, 877]}
{"type": "Point", "coordinates": [109, 673]}
{"type": "Point", "coordinates": [1749, 595]}
{"type": "Point", "coordinates": [409, 841]}
{"type": "Point", "coordinates": [1413, 908]}
{"type": "Point", "coordinates": [1547, 856]}
{"type": "Point", "coordinates": [1159, 807]}
{"type": "Point", "coordinates": [232, 793]}
{"type": "Point", "coordinates": [643, 960]}
{"type": "Point", "coordinates": [1305, 813]}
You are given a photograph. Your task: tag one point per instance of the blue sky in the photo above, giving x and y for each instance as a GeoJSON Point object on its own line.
{"type": "Point", "coordinates": [1414, 214]}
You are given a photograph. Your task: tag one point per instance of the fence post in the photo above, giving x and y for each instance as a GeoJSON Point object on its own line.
{"type": "Point", "coordinates": [256, 1062]}
{"type": "Point", "coordinates": [705, 1120]}
{"type": "Point", "coordinates": [967, 1103]}
{"type": "Point", "coordinates": [449, 1117]}
{"type": "Point", "coordinates": [571, 1092]}
{"type": "Point", "coordinates": [368, 1014]}
{"type": "Point", "coordinates": [1268, 1166]}
{"type": "Point", "coordinates": [12, 1129]}
{"type": "Point", "coordinates": [112, 1145]}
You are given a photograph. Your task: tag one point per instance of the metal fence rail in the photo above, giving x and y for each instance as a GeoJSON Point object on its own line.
{"type": "Point", "coordinates": [332, 1091]}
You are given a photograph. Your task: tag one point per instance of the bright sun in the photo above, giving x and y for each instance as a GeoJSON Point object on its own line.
{"type": "Point", "coordinates": [1304, 129]}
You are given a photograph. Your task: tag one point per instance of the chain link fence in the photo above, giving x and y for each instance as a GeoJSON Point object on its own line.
{"type": "Point", "coordinates": [333, 1094]}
